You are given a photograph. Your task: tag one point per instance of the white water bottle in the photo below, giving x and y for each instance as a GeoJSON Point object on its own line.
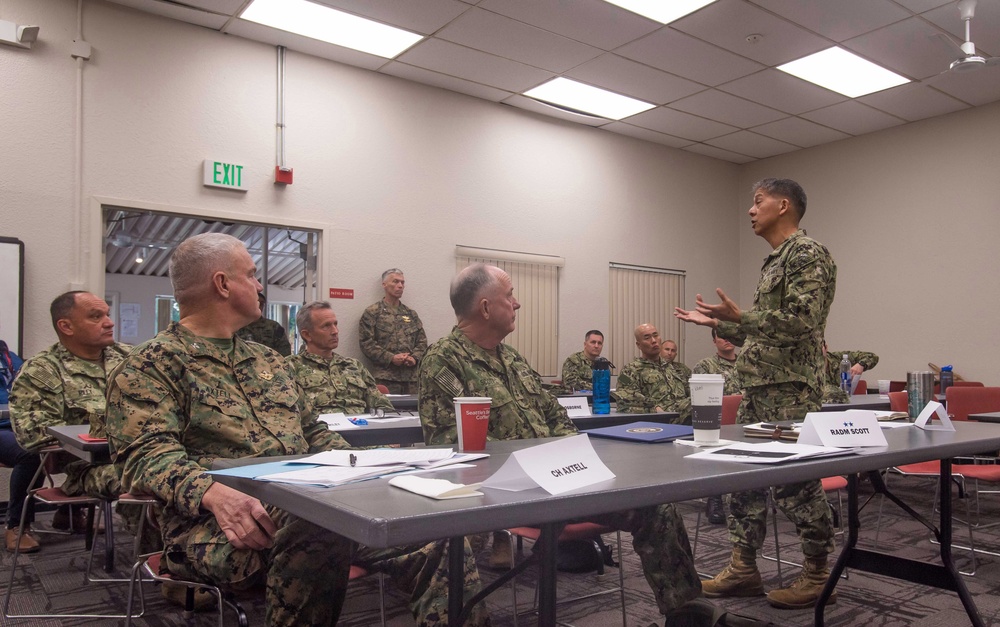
{"type": "Point", "coordinates": [845, 374]}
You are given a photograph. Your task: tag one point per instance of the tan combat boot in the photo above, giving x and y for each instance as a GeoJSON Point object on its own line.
{"type": "Point", "coordinates": [805, 590]}
{"type": "Point", "coordinates": [740, 579]}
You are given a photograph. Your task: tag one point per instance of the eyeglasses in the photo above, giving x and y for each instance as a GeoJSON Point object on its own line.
{"type": "Point", "coordinates": [376, 412]}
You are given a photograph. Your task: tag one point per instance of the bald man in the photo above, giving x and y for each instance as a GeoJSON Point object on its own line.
{"type": "Point", "coordinates": [650, 384]}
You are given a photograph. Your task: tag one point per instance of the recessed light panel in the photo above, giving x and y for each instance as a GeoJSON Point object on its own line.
{"type": "Point", "coordinates": [332, 26]}
{"type": "Point", "coordinates": [843, 72]}
{"type": "Point", "coordinates": [593, 100]}
{"type": "Point", "coordinates": [663, 11]}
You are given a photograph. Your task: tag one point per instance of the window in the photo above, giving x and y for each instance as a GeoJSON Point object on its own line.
{"type": "Point", "coordinates": [167, 311]}
{"type": "Point", "coordinates": [536, 287]}
{"type": "Point", "coordinates": [638, 295]}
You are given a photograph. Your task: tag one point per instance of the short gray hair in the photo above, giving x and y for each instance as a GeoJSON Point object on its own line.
{"type": "Point", "coordinates": [195, 260]}
{"type": "Point", "coordinates": [303, 319]}
{"type": "Point", "coordinates": [385, 275]}
{"type": "Point", "coordinates": [468, 285]}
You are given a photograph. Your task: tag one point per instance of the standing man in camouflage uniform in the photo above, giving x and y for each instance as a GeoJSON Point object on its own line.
{"type": "Point", "coordinates": [195, 394]}
{"type": "Point", "coordinates": [64, 385]}
{"type": "Point", "coordinates": [472, 361]}
{"type": "Point", "coordinates": [392, 336]}
{"type": "Point", "coordinates": [650, 384]}
{"type": "Point", "coordinates": [668, 353]}
{"type": "Point", "coordinates": [860, 360]}
{"type": "Point", "coordinates": [781, 368]}
{"type": "Point", "coordinates": [722, 362]}
{"type": "Point", "coordinates": [578, 369]}
{"type": "Point", "coordinates": [332, 383]}
{"type": "Point", "coordinates": [267, 332]}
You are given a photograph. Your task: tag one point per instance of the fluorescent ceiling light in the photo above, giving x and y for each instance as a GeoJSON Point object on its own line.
{"type": "Point", "coordinates": [663, 11]}
{"type": "Point", "coordinates": [594, 100]}
{"type": "Point", "coordinates": [843, 72]}
{"type": "Point", "coordinates": [332, 26]}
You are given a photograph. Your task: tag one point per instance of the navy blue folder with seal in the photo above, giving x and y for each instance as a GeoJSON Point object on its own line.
{"type": "Point", "coordinates": [643, 432]}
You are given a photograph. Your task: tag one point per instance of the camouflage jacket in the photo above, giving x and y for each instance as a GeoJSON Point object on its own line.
{"type": "Point", "coordinates": [55, 387]}
{"type": "Point", "coordinates": [521, 409]}
{"type": "Point", "coordinates": [180, 402]}
{"type": "Point", "coordinates": [578, 373]}
{"type": "Point", "coordinates": [782, 333]}
{"type": "Point", "coordinates": [718, 365]}
{"type": "Point", "coordinates": [267, 332]}
{"type": "Point", "coordinates": [644, 385]}
{"type": "Point", "coordinates": [338, 384]}
{"type": "Point", "coordinates": [683, 371]}
{"type": "Point", "coordinates": [385, 331]}
{"type": "Point", "coordinates": [831, 383]}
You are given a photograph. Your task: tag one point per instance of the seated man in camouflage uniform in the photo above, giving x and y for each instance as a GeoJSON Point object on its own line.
{"type": "Point", "coordinates": [722, 362]}
{"type": "Point", "coordinates": [195, 394]}
{"type": "Point", "coordinates": [472, 361]}
{"type": "Point", "coordinates": [668, 353]}
{"type": "Point", "coordinates": [266, 331]}
{"type": "Point", "coordinates": [64, 385]}
{"type": "Point", "coordinates": [650, 384]}
{"type": "Point", "coordinates": [331, 382]}
{"type": "Point", "coordinates": [860, 362]}
{"type": "Point", "coordinates": [578, 369]}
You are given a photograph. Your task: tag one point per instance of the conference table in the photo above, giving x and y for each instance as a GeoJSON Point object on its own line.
{"type": "Point", "coordinates": [378, 515]}
{"type": "Point", "coordinates": [403, 402]}
{"type": "Point", "coordinates": [986, 416]}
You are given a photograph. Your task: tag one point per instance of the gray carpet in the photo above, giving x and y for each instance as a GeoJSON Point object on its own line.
{"type": "Point", "coordinates": [52, 580]}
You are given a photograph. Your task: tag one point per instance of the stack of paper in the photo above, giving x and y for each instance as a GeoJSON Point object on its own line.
{"type": "Point", "coordinates": [435, 488]}
{"type": "Point", "coordinates": [772, 432]}
{"type": "Point", "coordinates": [768, 452]}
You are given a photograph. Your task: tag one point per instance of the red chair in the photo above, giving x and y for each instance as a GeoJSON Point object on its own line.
{"type": "Point", "coordinates": [862, 387]}
{"type": "Point", "coordinates": [897, 386]}
{"type": "Point", "coordinates": [899, 401]}
{"type": "Point", "coordinates": [730, 404]}
{"type": "Point", "coordinates": [381, 388]}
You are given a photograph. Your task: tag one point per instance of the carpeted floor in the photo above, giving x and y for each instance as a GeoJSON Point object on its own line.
{"type": "Point", "coordinates": [52, 580]}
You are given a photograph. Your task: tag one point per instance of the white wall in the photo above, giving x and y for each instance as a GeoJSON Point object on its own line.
{"type": "Point", "coordinates": [911, 215]}
{"type": "Point", "coordinates": [398, 172]}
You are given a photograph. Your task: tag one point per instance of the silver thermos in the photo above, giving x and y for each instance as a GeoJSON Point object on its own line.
{"type": "Point", "coordinates": [919, 390]}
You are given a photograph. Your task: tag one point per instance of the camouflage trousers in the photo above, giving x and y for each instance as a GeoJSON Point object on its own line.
{"type": "Point", "coordinates": [400, 387]}
{"type": "Point", "coordinates": [660, 540]}
{"type": "Point", "coordinates": [305, 573]}
{"type": "Point", "coordinates": [805, 503]}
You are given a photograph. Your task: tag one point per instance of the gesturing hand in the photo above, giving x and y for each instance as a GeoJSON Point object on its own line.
{"type": "Point", "coordinates": [244, 520]}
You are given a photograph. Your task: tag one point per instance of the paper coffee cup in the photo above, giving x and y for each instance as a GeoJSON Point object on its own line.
{"type": "Point", "coordinates": [883, 388]}
{"type": "Point", "coordinates": [706, 406]}
{"type": "Point", "coordinates": [472, 418]}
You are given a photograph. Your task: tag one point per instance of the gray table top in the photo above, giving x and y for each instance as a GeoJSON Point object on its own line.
{"type": "Point", "coordinates": [403, 402]}
{"type": "Point", "coordinates": [69, 439]}
{"type": "Point", "coordinates": [378, 515]}
{"type": "Point", "coordinates": [985, 416]}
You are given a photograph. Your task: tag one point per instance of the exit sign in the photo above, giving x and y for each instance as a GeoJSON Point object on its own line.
{"type": "Point", "coordinates": [225, 175]}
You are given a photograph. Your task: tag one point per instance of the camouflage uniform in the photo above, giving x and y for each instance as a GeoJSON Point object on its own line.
{"type": "Point", "coordinates": [338, 384]}
{"type": "Point", "coordinates": [455, 366]}
{"type": "Point", "coordinates": [386, 331]}
{"type": "Point", "coordinates": [182, 402]}
{"type": "Point", "coordinates": [644, 385]}
{"type": "Point", "coordinates": [267, 332]}
{"type": "Point", "coordinates": [717, 365]}
{"type": "Point", "coordinates": [55, 387]}
{"type": "Point", "coordinates": [781, 368]}
{"type": "Point", "coordinates": [578, 372]}
{"type": "Point", "coordinates": [683, 371]}
{"type": "Point", "coordinates": [832, 393]}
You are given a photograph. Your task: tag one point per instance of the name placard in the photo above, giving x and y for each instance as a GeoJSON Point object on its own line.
{"type": "Point", "coordinates": [556, 467]}
{"type": "Point", "coordinates": [933, 408]}
{"type": "Point", "coordinates": [575, 406]}
{"type": "Point", "coordinates": [842, 429]}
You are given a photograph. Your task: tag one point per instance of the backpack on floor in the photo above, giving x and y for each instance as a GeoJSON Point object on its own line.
{"type": "Point", "coordinates": [703, 613]}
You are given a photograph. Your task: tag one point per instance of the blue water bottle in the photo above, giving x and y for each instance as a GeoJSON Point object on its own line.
{"type": "Point", "coordinates": [602, 386]}
{"type": "Point", "coordinates": [947, 378]}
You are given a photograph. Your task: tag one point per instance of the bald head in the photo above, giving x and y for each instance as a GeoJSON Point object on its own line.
{"type": "Point", "coordinates": [647, 340]}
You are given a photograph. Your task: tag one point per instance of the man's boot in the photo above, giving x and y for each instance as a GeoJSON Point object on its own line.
{"type": "Point", "coordinates": [805, 590]}
{"type": "Point", "coordinates": [715, 511]}
{"type": "Point", "coordinates": [740, 579]}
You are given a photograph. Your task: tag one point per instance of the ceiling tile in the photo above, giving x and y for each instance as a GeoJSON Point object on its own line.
{"type": "Point", "coordinates": [642, 133]}
{"type": "Point", "coordinates": [228, 7]}
{"type": "Point", "coordinates": [799, 132]}
{"type": "Point", "coordinates": [427, 77]}
{"type": "Point", "coordinates": [853, 117]}
{"type": "Point", "coordinates": [184, 14]}
{"type": "Point", "coordinates": [977, 88]}
{"type": "Point", "coordinates": [919, 6]}
{"type": "Point", "coordinates": [673, 51]}
{"type": "Point", "coordinates": [910, 47]}
{"type": "Point", "coordinates": [680, 124]}
{"type": "Point", "coordinates": [782, 91]}
{"type": "Point", "coordinates": [592, 22]}
{"type": "Point", "coordinates": [517, 41]}
{"type": "Point", "coordinates": [321, 49]}
{"type": "Point", "coordinates": [530, 104]}
{"type": "Point", "coordinates": [838, 20]}
{"type": "Point", "coordinates": [913, 101]}
{"type": "Point", "coordinates": [420, 16]}
{"type": "Point", "coordinates": [719, 153]}
{"type": "Point", "coordinates": [479, 67]}
{"type": "Point", "coordinates": [728, 23]}
{"type": "Point", "coordinates": [748, 143]}
{"type": "Point", "coordinates": [985, 25]}
{"type": "Point", "coordinates": [634, 79]}
{"type": "Point", "coordinates": [727, 108]}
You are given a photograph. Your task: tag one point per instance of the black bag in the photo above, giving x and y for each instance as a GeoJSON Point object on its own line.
{"type": "Point", "coordinates": [703, 613]}
{"type": "Point", "coordinates": [584, 556]}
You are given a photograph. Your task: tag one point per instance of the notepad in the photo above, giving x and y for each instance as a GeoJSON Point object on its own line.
{"type": "Point", "coordinates": [440, 489]}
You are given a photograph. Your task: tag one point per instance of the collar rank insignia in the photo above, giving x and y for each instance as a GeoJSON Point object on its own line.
{"type": "Point", "coordinates": [406, 318]}
{"type": "Point", "coordinates": [267, 376]}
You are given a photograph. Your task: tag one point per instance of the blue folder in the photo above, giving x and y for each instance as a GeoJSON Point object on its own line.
{"type": "Point", "coordinates": [643, 432]}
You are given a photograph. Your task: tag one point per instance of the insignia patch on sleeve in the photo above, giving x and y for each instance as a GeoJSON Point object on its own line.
{"type": "Point", "coordinates": [448, 382]}
{"type": "Point", "coordinates": [43, 378]}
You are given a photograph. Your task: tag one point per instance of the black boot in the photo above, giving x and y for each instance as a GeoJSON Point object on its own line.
{"type": "Point", "coordinates": [714, 510]}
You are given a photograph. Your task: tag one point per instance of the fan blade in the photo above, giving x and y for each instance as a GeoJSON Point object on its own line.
{"type": "Point", "coordinates": [993, 61]}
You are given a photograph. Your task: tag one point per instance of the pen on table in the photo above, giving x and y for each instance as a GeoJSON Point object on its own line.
{"type": "Point", "coordinates": [354, 459]}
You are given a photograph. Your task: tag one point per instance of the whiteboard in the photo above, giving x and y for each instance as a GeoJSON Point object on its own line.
{"type": "Point", "coordinates": [12, 292]}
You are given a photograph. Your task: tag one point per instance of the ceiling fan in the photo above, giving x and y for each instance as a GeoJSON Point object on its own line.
{"type": "Point", "coordinates": [970, 59]}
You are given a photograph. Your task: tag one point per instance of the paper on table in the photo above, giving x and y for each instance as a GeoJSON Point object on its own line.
{"type": "Point", "coordinates": [768, 452]}
{"type": "Point", "coordinates": [330, 476]}
{"type": "Point", "coordinates": [435, 488]}
{"type": "Point", "coordinates": [380, 457]}
{"type": "Point", "coordinates": [715, 444]}
{"type": "Point", "coordinates": [252, 471]}
{"type": "Point", "coordinates": [337, 422]}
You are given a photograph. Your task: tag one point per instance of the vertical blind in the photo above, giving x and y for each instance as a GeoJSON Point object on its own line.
{"type": "Point", "coordinates": [639, 295]}
{"type": "Point", "coordinates": [536, 287]}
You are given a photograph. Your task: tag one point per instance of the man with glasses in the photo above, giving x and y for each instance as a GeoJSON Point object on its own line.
{"type": "Point", "coordinates": [334, 384]}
